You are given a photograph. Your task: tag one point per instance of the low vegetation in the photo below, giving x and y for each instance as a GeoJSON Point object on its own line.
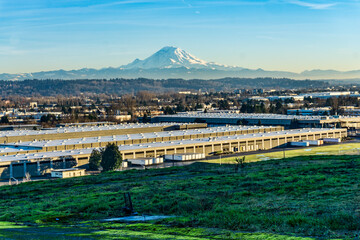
{"type": "Point", "coordinates": [309, 196]}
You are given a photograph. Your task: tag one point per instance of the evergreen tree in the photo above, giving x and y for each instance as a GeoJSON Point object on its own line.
{"type": "Point", "coordinates": [95, 159]}
{"type": "Point", "coordinates": [111, 158]}
{"type": "Point", "coordinates": [272, 108]}
{"type": "Point", "coordinates": [4, 119]}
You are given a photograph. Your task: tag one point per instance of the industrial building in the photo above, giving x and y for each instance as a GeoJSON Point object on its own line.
{"type": "Point", "coordinates": [20, 127]}
{"type": "Point", "coordinates": [85, 124]}
{"type": "Point", "coordinates": [262, 119]}
{"type": "Point", "coordinates": [91, 131]}
{"type": "Point", "coordinates": [36, 164]}
{"type": "Point", "coordinates": [37, 146]}
{"type": "Point", "coordinates": [320, 111]}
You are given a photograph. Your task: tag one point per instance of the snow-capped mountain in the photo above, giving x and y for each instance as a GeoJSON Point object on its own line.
{"type": "Point", "coordinates": [172, 62]}
{"type": "Point", "coordinates": [173, 57]}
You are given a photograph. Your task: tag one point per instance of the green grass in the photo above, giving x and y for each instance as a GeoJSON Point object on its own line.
{"type": "Point", "coordinates": [310, 196]}
{"type": "Point", "coordinates": [343, 149]}
{"type": "Point", "coordinates": [109, 231]}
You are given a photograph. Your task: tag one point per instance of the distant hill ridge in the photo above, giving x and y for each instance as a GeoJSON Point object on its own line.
{"type": "Point", "coordinates": [173, 62]}
{"type": "Point", "coordinates": [124, 86]}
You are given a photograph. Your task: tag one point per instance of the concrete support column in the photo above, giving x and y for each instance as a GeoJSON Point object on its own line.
{"type": "Point", "coordinates": [174, 150]}
{"type": "Point", "coordinates": [221, 147]}
{"type": "Point", "coordinates": [184, 149]}
{"type": "Point", "coordinates": [154, 153]}
{"type": "Point", "coordinates": [212, 147]}
{"type": "Point", "coordinates": [165, 151]}
{"type": "Point", "coordinates": [134, 155]}
{"type": "Point", "coordinates": [24, 169]}
{"type": "Point", "coordinates": [263, 144]}
{"type": "Point", "coordinates": [194, 149]}
{"type": "Point", "coordinates": [144, 154]}
{"type": "Point", "coordinates": [123, 155]}
{"type": "Point", "coordinates": [238, 146]}
{"type": "Point", "coordinates": [247, 146]}
{"type": "Point", "coordinates": [203, 149]}
{"type": "Point", "coordinates": [11, 171]}
{"type": "Point", "coordinates": [38, 167]}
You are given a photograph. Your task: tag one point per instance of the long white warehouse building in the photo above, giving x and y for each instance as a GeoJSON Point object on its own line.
{"type": "Point", "coordinates": [39, 163]}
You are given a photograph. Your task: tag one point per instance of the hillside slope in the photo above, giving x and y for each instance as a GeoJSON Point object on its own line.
{"type": "Point", "coordinates": [313, 196]}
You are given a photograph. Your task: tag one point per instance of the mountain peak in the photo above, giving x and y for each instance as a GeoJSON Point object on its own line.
{"type": "Point", "coordinates": [169, 48]}
{"type": "Point", "coordinates": [169, 57]}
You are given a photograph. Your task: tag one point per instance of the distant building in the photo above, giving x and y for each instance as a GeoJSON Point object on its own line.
{"type": "Point", "coordinates": [310, 111]}
{"type": "Point", "coordinates": [20, 127]}
{"type": "Point", "coordinates": [325, 95]}
{"type": "Point", "coordinates": [351, 111]}
{"type": "Point", "coordinates": [283, 98]}
{"type": "Point", "coordinates": [123, 118]}
{"type": "Point", "coordinates": [33, 104]}
{"type": "Point", "coordinates": [67, 173]}
{"type": "Point", "coordinates": [85, 124]}
{"type": "Point", "coordinates": [222, 118]}
{"type": "Point", "coordinates": [257, 98]}
{"type": "Point", "coordinates": [185, 92]}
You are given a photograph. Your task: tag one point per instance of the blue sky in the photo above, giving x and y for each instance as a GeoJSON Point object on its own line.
{"type": "Point", "coordinates": [292, 35]}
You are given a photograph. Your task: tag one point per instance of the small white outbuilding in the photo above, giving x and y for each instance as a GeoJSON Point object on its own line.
{"type": "Point", "coordinates": [147, 161]}
{"type": "Point", "coordinates": [185, 156]}
{"type": "Point", "coordinates": [67, 173]}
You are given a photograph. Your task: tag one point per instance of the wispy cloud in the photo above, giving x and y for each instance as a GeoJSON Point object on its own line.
{"type": "Point", "coordinates": [313, 5]}
{"type": "Point", "coordinates": [9, 50]}
{"type": "Point", "coordinates": [111, 4]}
{"type": "Point", "coordinates": [188, 4]}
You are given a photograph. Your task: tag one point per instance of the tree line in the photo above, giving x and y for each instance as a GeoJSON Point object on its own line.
{"type": "Point", "coordinates": [83, 87]}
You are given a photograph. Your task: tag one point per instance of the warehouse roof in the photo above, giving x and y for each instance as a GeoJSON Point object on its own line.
{"type": "Point", "coordinates": [15, 148]}
{"type": "Point", "coordinates": [69, 153]}
{"type": "Point", "coordinates": [254, 116]}
{"type": "Point", "coordinates": [82, 129]}
{"type": "Point", "coordinates": [49, 143]}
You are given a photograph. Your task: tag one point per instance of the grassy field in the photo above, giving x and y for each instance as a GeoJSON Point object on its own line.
{"type": "Point", "coordinates": [342, 149]}
{"type": "Point", "coordinates": [112, 231]}
{"type": "Point", "coordinates": [315, 196]}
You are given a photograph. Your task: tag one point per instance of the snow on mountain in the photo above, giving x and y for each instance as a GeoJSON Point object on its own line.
{"type": "Point", "coordinates": [172, 57]}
